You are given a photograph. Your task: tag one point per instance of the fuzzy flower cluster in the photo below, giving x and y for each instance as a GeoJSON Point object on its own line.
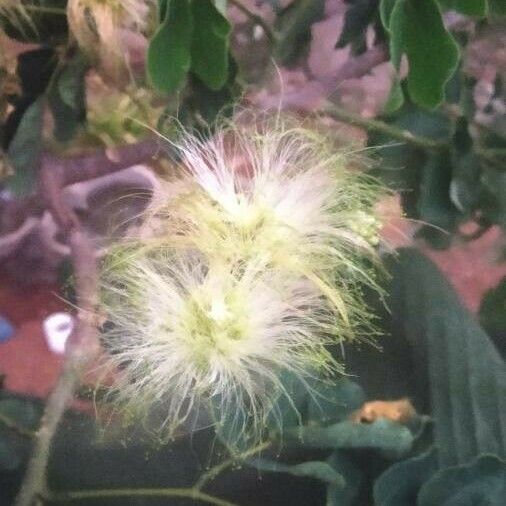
{"type": "Point", "coordinates": [249, 265]}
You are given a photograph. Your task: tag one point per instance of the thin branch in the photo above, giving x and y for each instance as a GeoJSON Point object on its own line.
{"type": "Point", "coordinates": [256, 18]}
{"type": "Point", "coordinates": [211, 474]}
{"type": "Point", "coordinates": [81, 348]}
{"type": "Point", "coordinates": [82, 345]}
{"type": "Point", "coordinates": [374, 125]}
{"type": "Point", "coordinates": [189, 493]}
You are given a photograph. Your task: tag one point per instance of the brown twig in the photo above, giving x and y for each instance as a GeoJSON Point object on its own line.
{"type": "Point", "coordinates": [83, 344]}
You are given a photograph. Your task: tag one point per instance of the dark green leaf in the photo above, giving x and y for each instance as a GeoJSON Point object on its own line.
{"type": "Point", "coordinates": [465, 186]}
{"type": "Point", "coordinates": [494, 194]}
{"type": "Point", "coordinates": [311, 469]}
{"type": "Point", "coordinates": [24, 149]}
{"type": "Point", "coordinates": [202, 105]}
{"type": "Point", "coordinates": [382, 434]}
{"type": "Point", "coordinates": [402, 164]}
{"type": "Point", "coordinates": [333, 401]}
{"type": "Point", "coordinates": [400, 483]}
{"type": "Point", "coordinates": [417, 29]}
{"type": "Point", "coordinates": [209, 52]}
{"type": "Point", "coordinates": [313, 401]}
{"type": "Point", "coordinates": [293, 25]}
{"type": "Point", "coordinates": [71, 81]}
{"type": "Point", "coordinates": [347, 495]}
{"type": "Point", "coordinates": [395, 99]}
{"type": "Point", "coordinates": [67, 98]}
{"type": "Point", "coordinates": [481, 482]}
{"type": "Point", "coordinates": [493, 311]}
{"type": "Point", "coordinates": [476, 8]}
{"type": "Point", "coordinates": [465, 375]}
{"type": "Point", "coordinates": [169, 52]}
{"type": "Point", "coordinates": [434, 204]}
{"type": "Point", "coordinates": [162, 9]}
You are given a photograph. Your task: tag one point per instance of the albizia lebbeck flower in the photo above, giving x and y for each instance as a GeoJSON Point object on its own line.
{"type": "Point", "coordinates": [186, 332]}
{"type": "Point", "coordinates": [249, 263]}
{"type": "Point", "coordinates": [279, 193]}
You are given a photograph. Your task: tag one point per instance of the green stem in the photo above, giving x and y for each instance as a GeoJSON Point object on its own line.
{"type": "Point", "coordinates": [374, 125]}
{"type": "Point", "coordinates": [189, 493]}
{"type": "Point", "coordinates": [209, 475]}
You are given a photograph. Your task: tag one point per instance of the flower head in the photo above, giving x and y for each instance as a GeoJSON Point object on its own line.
{"type": "Point", "coordinates": [249, 264]}
{"type": "Point", "coordinates": [281, 194]}
{"type": "Point", "coordinates": [187, 333]}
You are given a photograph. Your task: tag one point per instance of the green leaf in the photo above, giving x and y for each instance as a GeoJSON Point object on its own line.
{"type": "Point", "coordinates": [464, 374]}
{"type": "Point", "coordinates": [434, 203]}
{"type": "Point", "coordinates": [493, 310]}
{"type": "Point", "coordinates": [382, 434]}
{"type": "Point", "coordinates": [314, 401]}
{"type": "Point", "coordinates": [67, 98]}
{"type": "Point", "coordinates": [24, 150]}
{"type": "Point", "coordinates": [312, 469]}
{"type": "Point", "coordinates": [400, 483]}
{"type": "Point", "coordinates": [169, 51]}
{"type": "Point", "coordinates": [465, 189]}
{"type": "Point", "coordinates": [494, 194]}
{"type": "Point", "coordinates": [333, 401]}
{"type": "Point", "coordinates": [476, 8]}
{"type": "Point", "coordinates": [293, 26]}
{"type": "Point", "coordinates": [417, 29]}
{"type": "Point", "coordinates": [386, 7]}
{"type": "Point", "coordinates": [402, 164]}
{"type": "Point", "coordinates": [481, 482]}
{"type": "Point", "coordinates": [202, 105]}
{"type": "Point", "coordinates": [353, 477]}
{"type": "Point", "coordinates": [162, 9]}
{"type": "Point", "coordinates": [71, 81]}
{"type": "Point", "coordinates": [209, 51]}
{"type": "Point", "coordinates": [395, 99]}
